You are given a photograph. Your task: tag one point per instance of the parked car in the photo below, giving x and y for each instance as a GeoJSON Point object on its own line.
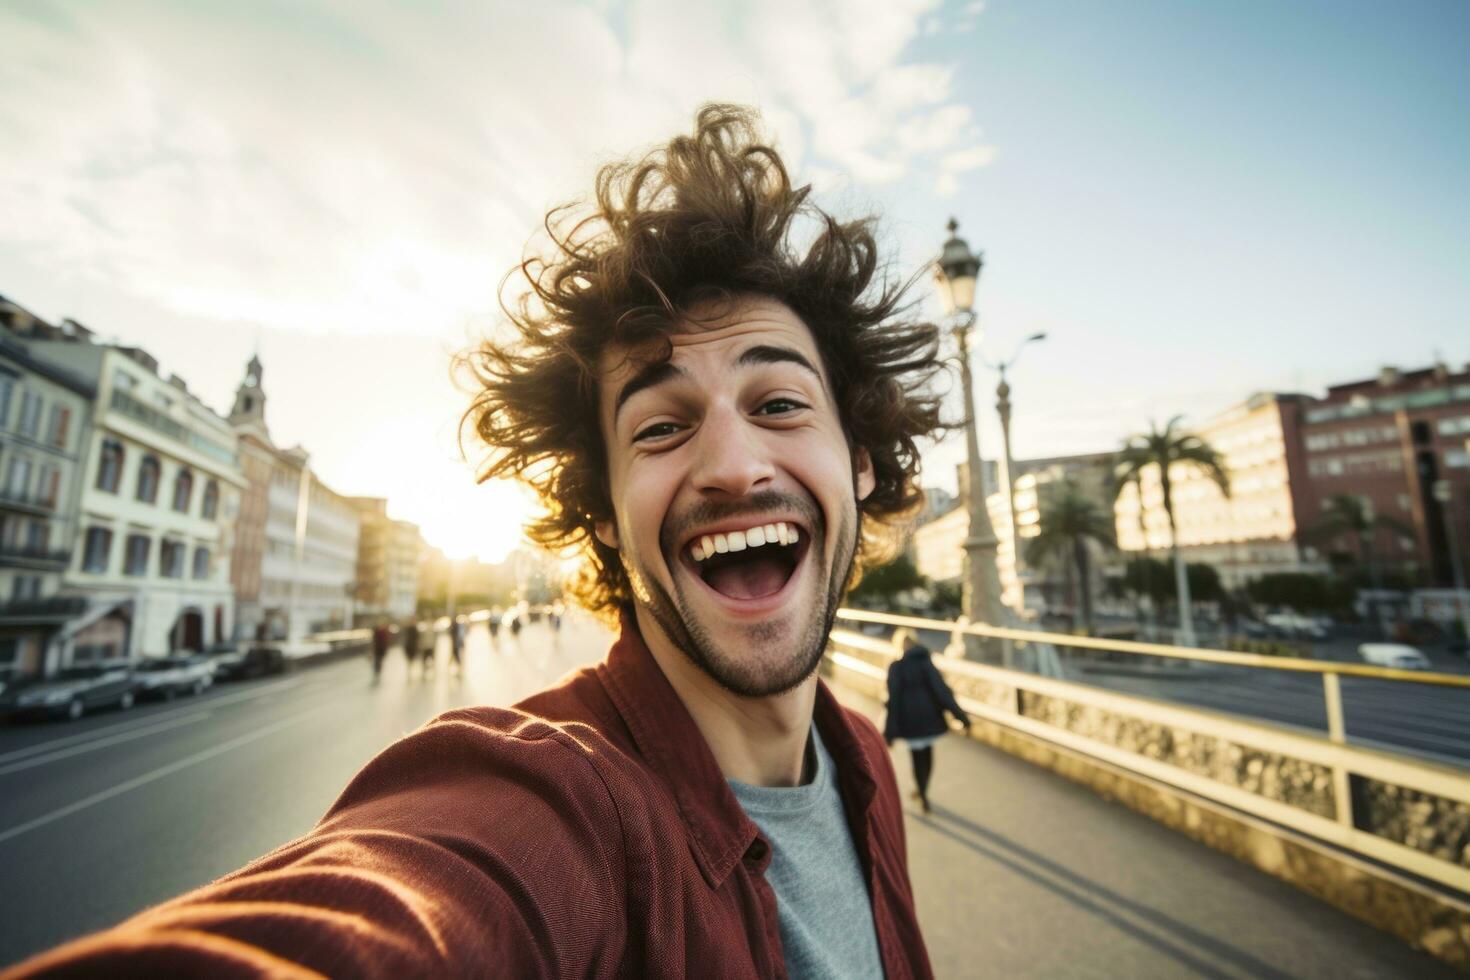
{"type": "Point", "coordinates": [168, 677]}
{"type": "Point", "coordinates": [255, 662]}
{"type": "Point", "coordinates": [1399, 655]}
{"type": "Point", "coordinates": [1296, 626]}
{"type": "Point", "coordinates": [71, 692]}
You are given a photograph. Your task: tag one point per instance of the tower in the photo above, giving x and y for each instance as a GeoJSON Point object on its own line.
{"type": "Point", "coordinates": [249, 410]}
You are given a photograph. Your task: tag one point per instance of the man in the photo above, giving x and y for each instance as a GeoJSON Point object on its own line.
{"type": "Point", "coordinates": [723, 422]}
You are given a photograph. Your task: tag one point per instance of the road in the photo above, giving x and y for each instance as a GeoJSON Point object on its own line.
{"type": "Point", "coordinates": [1432, 722]}
{"type": "Point", "coordinates": [1017, 873]}
{"type": "Point", "coordinates": [121, 810]}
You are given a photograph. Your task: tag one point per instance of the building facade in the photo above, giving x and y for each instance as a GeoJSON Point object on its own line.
{"type": "Point", "coordinates": [295, 571]}
{"type": "Point", "coordinates": [390, 554]}
{"type": "Point", "coordinates": [1252, 532]}
{"type": "Point", "coordinates": [1388, 440]}
{"type": "Point", "coordinates": [160, 488]}
{"type": "Point", "coordinates": [45, 412]}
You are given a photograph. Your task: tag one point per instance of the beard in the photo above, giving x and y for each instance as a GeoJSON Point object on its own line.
{"type": "Point", "coordinates": [735, 669]}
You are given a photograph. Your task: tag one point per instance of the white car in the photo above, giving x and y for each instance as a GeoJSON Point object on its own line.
{"type": "Point", "coordinates": [1399, 655]}
{"type": "Point", "coordinates": [166, 677]}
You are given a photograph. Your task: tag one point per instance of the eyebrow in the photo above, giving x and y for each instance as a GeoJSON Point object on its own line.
{"type": "Point", "coordinates": [647, 377]}
{"type": "Point", "coordinates": [663, 371]}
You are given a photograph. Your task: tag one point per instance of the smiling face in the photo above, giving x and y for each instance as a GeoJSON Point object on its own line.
{"type": "Point", "coordinates": [735, 494]}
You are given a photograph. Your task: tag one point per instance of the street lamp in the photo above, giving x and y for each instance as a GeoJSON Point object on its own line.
{"type": "Point", "coordinates": [1445, 495]}
{"type": "Point", "coordinates": [955, 275]}
{"type": "Point", "coordinates": [1003, 406]}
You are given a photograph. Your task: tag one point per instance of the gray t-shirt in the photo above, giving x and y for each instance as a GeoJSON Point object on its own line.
{"type": "Point", "coordinates": [821, 897]}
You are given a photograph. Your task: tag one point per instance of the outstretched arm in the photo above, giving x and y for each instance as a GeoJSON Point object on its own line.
{"type": "Point", "coordinates": [461, 850]}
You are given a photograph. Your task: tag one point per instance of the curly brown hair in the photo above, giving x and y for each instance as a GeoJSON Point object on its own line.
{"type": "Point", "coordinates": [710, 217]}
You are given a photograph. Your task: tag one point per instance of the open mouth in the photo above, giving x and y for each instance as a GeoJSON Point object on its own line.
{"type": "Point", "coordinates": [751, 563]}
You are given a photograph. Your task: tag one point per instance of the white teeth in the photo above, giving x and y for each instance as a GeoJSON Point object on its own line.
{"type": "Point", "coordinates": [755, 537]}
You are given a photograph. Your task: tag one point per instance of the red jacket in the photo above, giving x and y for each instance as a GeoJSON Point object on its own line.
{"type": "Point", "coordinates": [586, 832]}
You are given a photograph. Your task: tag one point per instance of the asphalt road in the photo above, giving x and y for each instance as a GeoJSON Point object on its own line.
{"type": "Point", "coordinates": [105, 816]}
{"type": "Point", "coordinates": [1017, 873]}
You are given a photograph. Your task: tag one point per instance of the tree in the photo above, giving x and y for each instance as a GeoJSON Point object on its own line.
{"type": "Point", "coordinates": [1163, 449]}
{"type": "Point", "coordinates": [1351, 515]}
{"type": "Point", "coordinates": [1301, 591]}
{"type": "Point", "coordinates": [885, 582]}
{"type": "Point", "coordinates": [1069, 519]}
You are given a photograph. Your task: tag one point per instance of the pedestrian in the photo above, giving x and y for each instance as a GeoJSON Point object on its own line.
{"type": "Point", "coordinates": [428, 640]}
{"type": "Point", "coordinates": [716, 394]}
{"type": "Point", "coordinates": [409, 636]}
{"type": "Point", "coordinates": [494, 624]}
{"type": "Point", "coordinates": [918, 697]}
{"type": "Point", "coordinates": [456, 641]}
{"type": "Point", "coordinates": [381, 638]}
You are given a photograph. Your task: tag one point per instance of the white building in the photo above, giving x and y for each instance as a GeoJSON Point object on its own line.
{"type": "Point", "coordinates": [160, 488]}
{"type": "Point", "coordinates": [44, 414]}
{"type": "Point", "coordinates": [295, 567]}
{"type": "Point", "coordinates": [390, 556]}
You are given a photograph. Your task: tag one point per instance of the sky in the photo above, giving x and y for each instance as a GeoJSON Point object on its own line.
{"type": "Point", "coordinates": [1193, 201]}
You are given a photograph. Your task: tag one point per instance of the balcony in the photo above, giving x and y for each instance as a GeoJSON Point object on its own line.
{"type": "Point", "coordinates": [39, 559]}
{"type": "Point", "coordinates": [125, 404]}
{"type": "Point", "coordinates": [23, 503]}
{"type": "Point", "coordinates": [56, 609]}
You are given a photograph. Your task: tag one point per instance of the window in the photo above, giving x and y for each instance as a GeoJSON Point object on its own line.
{"type": "Point", "coordinates": [50, 485]}
{"type": "Point", "coordinates": [38, 535]}
{"type": "Point", "coordinates": [109, 466]}
{"type": "Point", "coordinates": [56, 428]}
{"type": "Point", "coordinates": [148, 471]}
{"type": "Point", "coordinates": [30, 413]}
{"type": "Point", "coordinates": [25, 587]}
{"type": "Point", "coordinates": [211, 500]}
{"type": "Point", "coordinates": [201, 563]}
{"type": "Point", "coordinates": [123, 381]}
{"type": "Point", "coordinates": [98, 550]}
{"type": "Point", "coordinates": [18, 477]}
{"type": "Point", "coordinates": [183, 490]}
{"type": "Point", "coordinates": [1456, 459]}
{"type": "Point", "coordinates": [171, 560]}
{"type": "Point", "coordinates": [7, 393]}
{"type": "Point", "coordinates": [137, 555]}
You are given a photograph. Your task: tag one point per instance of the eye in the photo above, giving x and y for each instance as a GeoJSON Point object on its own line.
{"type": "Point", "coordinates": [779, 406]}
{"type": "Point", "coordinates": [659, 430]}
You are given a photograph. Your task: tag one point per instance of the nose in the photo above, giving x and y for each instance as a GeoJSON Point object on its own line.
{"type": "Point", "coordinates": [731, 458]}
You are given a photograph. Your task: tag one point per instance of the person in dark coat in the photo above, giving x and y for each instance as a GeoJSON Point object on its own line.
{"type": "Point", "coordinates": [381, 638]}
{"type": "Point", "coordinates": [410, 637]}
{"type": "Point", "coordinates": [918, 697]}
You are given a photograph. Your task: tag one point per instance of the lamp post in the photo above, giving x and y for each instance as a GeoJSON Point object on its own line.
{"type": "Point", "coordinates": [1445, 495]}
{"type": "Point", "coordinates": [955, 275]}
{"type": "Point", "coordinates": [1003, 406]}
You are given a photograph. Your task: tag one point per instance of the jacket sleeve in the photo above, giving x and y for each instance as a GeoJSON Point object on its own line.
{"type": "Point", "coordinates": [943, 695]}
{"type": "Point", "coordinates": [890, 719]}
{"type": "Point", "coordinates": [464, 849]}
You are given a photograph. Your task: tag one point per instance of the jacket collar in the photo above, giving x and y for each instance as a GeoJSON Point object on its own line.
{"type": "Point", "coordinates": [671, 743]}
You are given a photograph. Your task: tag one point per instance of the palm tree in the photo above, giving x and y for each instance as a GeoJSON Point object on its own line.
{"type": "Point", "coordinates": [1068, 519]}
{"type": "Point", "coordinates": [1164, 449]}
{"type": "Point", "coordinates": [1145, 600]}
{"type": "Point", "coordinates": [1350, 514]}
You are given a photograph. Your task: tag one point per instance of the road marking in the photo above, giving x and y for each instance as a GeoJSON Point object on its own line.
{"type": "Point", "coordinates": [223, 699]}
{"type": "Point", "coordinates": [159, 773]}
{"type": "Point", "coordinates": [101, 743]}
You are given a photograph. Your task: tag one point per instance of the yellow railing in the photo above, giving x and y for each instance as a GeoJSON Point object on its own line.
{"type": "Point", "coordinates": [1296, 664]}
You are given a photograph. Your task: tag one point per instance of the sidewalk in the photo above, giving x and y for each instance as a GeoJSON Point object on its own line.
{"type": "Point", "coordinates": [1019, 873]}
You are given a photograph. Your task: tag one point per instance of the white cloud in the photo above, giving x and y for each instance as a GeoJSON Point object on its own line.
{"type": "Point", "coordinates": [373, 168]}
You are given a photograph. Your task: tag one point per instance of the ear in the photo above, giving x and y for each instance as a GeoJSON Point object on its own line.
{"type": "Point", "coordinates": [864, 479]}
{"type": "Point", "coordinates": [607, 533]}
